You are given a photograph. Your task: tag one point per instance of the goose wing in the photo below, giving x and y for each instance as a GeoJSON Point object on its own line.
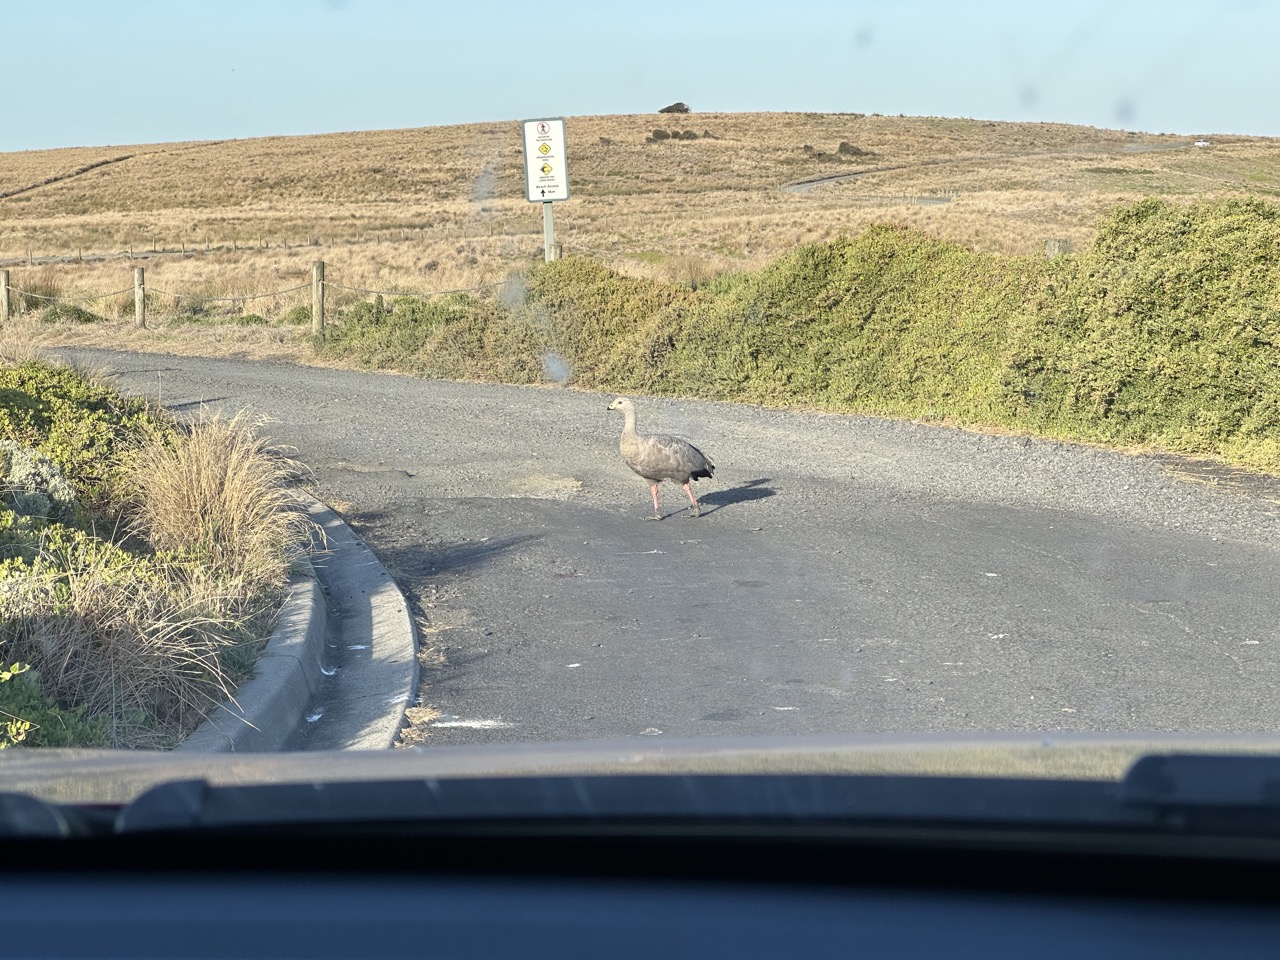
{"type": "Point", "coordinates": [661, 456]}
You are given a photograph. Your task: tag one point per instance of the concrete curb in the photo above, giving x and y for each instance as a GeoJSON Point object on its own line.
{"type": "Point", "coordinates": [368, 612]}
{"type": "Point", "coordinates": [268, 707]}
{"type": "Point", "coordinates": [376, 636]}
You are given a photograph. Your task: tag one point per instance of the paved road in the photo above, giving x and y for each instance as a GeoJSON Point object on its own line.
{"type": "Point", "coordinates": [847, 574]}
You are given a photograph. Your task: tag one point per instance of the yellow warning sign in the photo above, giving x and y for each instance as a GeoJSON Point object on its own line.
{"type": "Point", "coordinates": [546, 168]}
{"type": "Point", "coordinates": [544, 149]}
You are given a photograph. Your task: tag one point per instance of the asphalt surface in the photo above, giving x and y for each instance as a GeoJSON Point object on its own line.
{"type": "Point", "coordinates": [847, 575]}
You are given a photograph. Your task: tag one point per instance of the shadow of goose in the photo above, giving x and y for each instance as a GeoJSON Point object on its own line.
{"type": "Point", "coordinates": [743, 493]}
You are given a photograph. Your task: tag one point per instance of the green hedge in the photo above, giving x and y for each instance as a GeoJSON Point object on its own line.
{"type": "Point", "coordinates": [1165, 333]}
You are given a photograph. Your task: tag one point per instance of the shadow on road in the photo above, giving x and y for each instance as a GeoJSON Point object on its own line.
{"type": "Point", "coordinates": [194, 404]}
{"type": "Point", "coordinates": [408, 551]}
{"type": "Point", "coordinates": [418, 559]}
{"type": "Point", "coordinates": [465, 554]}
{"type": "Point", "coordinates": [742, 493]}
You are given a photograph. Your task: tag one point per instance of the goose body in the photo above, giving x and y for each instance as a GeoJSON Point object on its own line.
{"type": "Point", "coordinates": [661, 456]}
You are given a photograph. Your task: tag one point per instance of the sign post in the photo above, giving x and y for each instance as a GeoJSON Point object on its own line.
{"type": "Point", "coordinates": [546, 172]}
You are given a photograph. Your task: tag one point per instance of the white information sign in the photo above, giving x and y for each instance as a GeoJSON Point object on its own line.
{"type": "Point", "coordinates": [546, 173]}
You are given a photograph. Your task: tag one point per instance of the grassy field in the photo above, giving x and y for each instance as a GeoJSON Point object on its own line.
{"type": "Point", "coordinates": [443, 208]}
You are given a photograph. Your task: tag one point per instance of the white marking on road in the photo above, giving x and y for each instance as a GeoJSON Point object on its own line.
{"type": "Point", "coordinates": [786, 708]}
{"type": "Point", "coordinates": [650, 732]}
{"type": "Point", "coordinates": [358, 646]}
{"type": "Point", "coordinates": [472, 724]}
{"type": "Point", "coordinates": [573, 665]}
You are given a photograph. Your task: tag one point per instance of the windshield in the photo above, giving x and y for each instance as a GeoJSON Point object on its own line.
{"type": "Point", "coordinates": [879, 386]}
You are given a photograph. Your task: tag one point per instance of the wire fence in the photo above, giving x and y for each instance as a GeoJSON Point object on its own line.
{"type": "Point", "coordinates": [16, 299]}
{"type": "Point", "coordinates": [240, 299]}
{"type": "Point", "coordinates": [15, 256]}
{"type": "Point", "coordinates": [401, 293]}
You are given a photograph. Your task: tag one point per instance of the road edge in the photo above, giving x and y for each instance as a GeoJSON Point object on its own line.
{"type": "Point", "coordinates": [370, 612]}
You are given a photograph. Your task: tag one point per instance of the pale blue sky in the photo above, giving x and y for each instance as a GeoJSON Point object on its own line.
{"type": "Point", "coordinates": [95, 72]}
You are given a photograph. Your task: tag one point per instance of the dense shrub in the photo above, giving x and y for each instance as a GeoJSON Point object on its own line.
{"type": "Point", "coordinates": [80, 424]}
{"type": "Point", "coordinates": [457, 336]}
{"type": "Point", "coordinates": [68, 313]}
{"type": "Point", "coordinates": [1165, 333]}
{"type": "Point", "coordinates": [29, 718]}
{"type": "Point", "coordinates": [31, 485]}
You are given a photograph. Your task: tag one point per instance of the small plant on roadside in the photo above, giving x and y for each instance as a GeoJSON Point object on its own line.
{"type": "Point", "coordinates": [13, 727]}
{"type": "Point", "coordinates": [29, 719]}
{"type": "Point", "coordinates": [68, 313]}
{"type": "Point", "coordinates": [299, 316]}
{"type": "Point", "coordinates": [32, 485]}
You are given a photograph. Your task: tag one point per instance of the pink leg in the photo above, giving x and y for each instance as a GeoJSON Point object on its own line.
{"type": "Point", "coordinates": [693, 501]}
{"type": "Point", "coordinates": [657, 514]}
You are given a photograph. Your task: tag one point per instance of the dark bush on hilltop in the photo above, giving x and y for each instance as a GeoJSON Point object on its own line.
{"type": "Point", "coordinates": [675, 108]}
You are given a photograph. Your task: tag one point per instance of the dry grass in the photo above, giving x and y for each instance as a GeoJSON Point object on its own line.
{"type": "Point", "coordinates": [122, 646]}
{"type": "Point", "coordinates": [216, 502]}
{"type": "Point", "coordinates": [443, 208]}
{"type": "Point", "coordinates": [151, 640]}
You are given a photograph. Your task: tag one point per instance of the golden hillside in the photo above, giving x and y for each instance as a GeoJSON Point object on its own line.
{"type": "Point", "coordinates": [443, 207]}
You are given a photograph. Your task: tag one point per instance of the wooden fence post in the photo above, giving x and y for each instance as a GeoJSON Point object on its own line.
{"type": "Point", "coordinates": [139, 297]}
{"type": "Point", "coordinates": [4, 296]}
{"type": "Point", "coordinates": [317, 298]}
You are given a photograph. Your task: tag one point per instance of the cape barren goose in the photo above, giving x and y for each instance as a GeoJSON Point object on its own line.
{"type": "Point", "coordinates": [660, 456]}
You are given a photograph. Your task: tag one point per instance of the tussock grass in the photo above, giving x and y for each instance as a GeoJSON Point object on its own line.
{"type": "Point", "coordinates": [214, 501]}
{"type": "Point", "coordinates": [141, 612]}
{"type": "Point", "coordinates": [126, 651]}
